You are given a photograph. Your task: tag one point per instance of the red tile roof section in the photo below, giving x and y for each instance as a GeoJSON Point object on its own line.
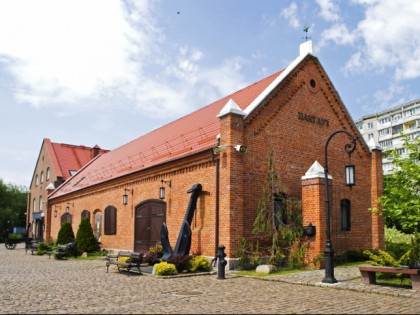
{"type": "Point", "coordinates": [190, 134]}
{"type": "Point", "coordinates": [71, 157]}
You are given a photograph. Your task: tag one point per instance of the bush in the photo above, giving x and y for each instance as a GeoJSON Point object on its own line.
{"type": "Point", "coordinates": [165, 269]}
{"type": "Point", "coordinates": [199, 263]}
{"type": "Point", "coordinates": [66, 234]}
{"type": "Point", "coordinates": [180, 261]}
{"type": "Point", "coordinates": [396, 242]}
{"type": "Point", "coordinates": [154, 254]}
{"type": "Point", "coordinates": [85, 240]}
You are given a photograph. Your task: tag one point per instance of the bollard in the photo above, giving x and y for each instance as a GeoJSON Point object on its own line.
{"type": "Point", "coordinates": [222, 262]}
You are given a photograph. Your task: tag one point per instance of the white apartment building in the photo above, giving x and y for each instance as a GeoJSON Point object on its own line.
{"type": "Point", "coordinates": [385, 128]}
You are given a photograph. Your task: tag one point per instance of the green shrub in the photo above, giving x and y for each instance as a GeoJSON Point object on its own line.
{"type": "Point", "coordinates": [165, 269]}
{"type": "Point", "coordinates": [43, 247]}
{"type": "Point", "coordinates": [66, 234]}
{"type": "Point", "coordinates": [199, 263]}
{"type": "Point", "coordinates": [396, 242]}
{"type": "Point", "coordinates": [85, 240]}
{"type": "Point", "coordinates": [15, 236]}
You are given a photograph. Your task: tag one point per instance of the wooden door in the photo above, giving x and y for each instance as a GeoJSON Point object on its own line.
{"type": "Point", "coordinates": [149, 218]}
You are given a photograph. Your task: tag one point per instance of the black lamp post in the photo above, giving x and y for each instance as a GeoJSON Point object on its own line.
{"type": "Point", "coordinates": [350, 181]}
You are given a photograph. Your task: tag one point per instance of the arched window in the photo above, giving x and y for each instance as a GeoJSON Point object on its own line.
{"type": "Point", "coordinates": [36, 180]}
{"type": "Point", "coordinates": [85, 214]}
{"type": "Point", "coordinates": [34, 205]}
{"type": "Point", "coordinates": [42, 177]}
{"type": "Point", "coordinates": [40, 203]}
{"type": "Point", "coordinates": [48, 173]}
{"type": "Point", "coordinates": [110, 224]}
{"type": "Point", "coordinates": [66, 217]}
{"type": "Point", "coordinates": [345, 215]}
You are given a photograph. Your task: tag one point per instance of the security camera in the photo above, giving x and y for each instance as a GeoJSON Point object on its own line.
{"type": "Point", "coordinates": [220, 148]}
{"type": "Point", "coordinates": [240, 148]}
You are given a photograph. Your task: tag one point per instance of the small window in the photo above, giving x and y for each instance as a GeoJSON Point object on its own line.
{"type": "Point", "coordinates": [40, 203]}
{"type": "Point", "coordinates": [280, 215]}
{"type": "Point", "coordinates": [66, 217]}
{"type": "Point", "coordinates": [42, 177]}
{"type": "Point", "coordinates": [48, 173]}
{"type": "Point", "coordinates": [36, 180]}
{"type": "Point", "coordinates": [370, 136]}
{"type": "Point", "coordinates": [72, 172]}
{"type": "Point", "coordinates": [370, 125]}
{"type": "Point", "coordinates": [85, 214]}
{"type": "Point", "coordinates": [110, 219]}
{"type": "Point", "coordinates": [34, 205]}
{"type": "Point", "coordinates": [345, 215]}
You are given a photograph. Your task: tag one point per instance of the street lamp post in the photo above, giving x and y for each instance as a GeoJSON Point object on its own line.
{"type": "Point", "coordinates": [350, 181]}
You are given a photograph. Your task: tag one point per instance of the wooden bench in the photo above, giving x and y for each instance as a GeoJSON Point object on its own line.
{"type": "Point", "coordinates": [125, 260]}
{"type": "Point", "coordinates": [369, 274]}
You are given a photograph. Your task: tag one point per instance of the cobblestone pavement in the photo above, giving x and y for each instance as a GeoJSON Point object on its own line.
{"type": "Point", "coordinates": [37, 284]}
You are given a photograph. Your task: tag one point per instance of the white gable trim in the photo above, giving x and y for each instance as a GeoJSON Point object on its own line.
{"type": "Point", "coordinates": [305, 51]}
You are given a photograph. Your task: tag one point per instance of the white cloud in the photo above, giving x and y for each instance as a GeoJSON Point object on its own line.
{"type": "Point", "coordinates": [64, 51]}
{"type": "Point", "coordinates": [78, 55]}
{"type": "Point", "coordinates": [339, 34]}
{"type": "Point", "coordinates": [391, 37]}
{"type": "Point", "coordinates": [290, 14]}
{"type": "Point", "coordinates": [329, 10]}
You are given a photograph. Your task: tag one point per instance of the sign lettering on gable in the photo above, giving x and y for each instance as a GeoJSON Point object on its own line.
{"type": "Point", "coordinates": [313, 119]}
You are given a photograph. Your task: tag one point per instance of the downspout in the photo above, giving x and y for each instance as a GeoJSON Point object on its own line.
{"type": "Point", "coordinates": [217, 180]}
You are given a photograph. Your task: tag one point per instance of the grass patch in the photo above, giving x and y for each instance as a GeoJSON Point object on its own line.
{"type": "Point", "coordinates": [394, 281]}
{"type": "Point", "coordinates": [281, 272]}
{"type": "Point", "coordinates": [351, 263]}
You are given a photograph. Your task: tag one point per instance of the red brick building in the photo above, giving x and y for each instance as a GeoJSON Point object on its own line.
{"type": "Point", "coordinates": [291, 113]}
{"type": "Point", "coordinates": [56, 163]}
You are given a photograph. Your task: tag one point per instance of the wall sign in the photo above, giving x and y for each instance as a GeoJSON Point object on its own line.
{"type": "Point", "coordinates": [313, 119]}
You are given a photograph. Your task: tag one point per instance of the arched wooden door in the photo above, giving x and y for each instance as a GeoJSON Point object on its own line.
{"type": "Point", "coordinates": [149, 218]}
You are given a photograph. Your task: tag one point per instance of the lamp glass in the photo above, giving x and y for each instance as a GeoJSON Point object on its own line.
{"type": "Point", "coordinates": [125, 199]}
{"type": "Point", "coordinates": [55, 213]}
{"type": "Point", "coordinates": [162, 193]}
{"type": "Point", "coordinates": [350, 175]}
{"type": "Point", "coordinates": [67, 209]}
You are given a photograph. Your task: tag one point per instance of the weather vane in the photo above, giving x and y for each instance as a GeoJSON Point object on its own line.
{"type": "Point", "coordinates": [306, 30]}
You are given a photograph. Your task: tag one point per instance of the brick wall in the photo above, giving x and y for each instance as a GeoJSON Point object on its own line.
{"type": "Point", "coordinates": [295, 121]}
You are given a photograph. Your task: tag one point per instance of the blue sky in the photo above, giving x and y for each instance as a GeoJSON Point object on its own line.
{"type": "Point", "coordinates": [107, 71]}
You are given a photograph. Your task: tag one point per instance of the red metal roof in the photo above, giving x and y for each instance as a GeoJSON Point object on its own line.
{"type": "Point", "coordinates": [190, 134]}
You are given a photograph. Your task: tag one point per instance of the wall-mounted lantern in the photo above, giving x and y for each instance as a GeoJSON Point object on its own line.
{"type": "Point", "coordinates": [55, 213]}
{"type": "Point", "coordinates": [125, 196]}
{"type": "Point", "coordinates": [162, 188]}
{"type": "Point", "coordinates": [309, 230]}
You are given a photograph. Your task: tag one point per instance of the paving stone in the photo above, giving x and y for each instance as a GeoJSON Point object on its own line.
{"type": "Point", "coordinates": [35, 284]}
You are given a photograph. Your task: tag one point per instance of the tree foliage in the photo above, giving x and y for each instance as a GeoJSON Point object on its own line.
{"type": "Point", "coordinates": [85, 240]}
{"type": "Point", "coordinates": [400, 203]}
{"type": "Point", "coordinates": [12, 207]}
{"type": "Point", "coordinates": [66, 234]}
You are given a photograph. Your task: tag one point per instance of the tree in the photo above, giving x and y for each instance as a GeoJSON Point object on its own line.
{"type": "Point", "coordinates": [280, 218]}
{"type": "Point", "coordinates": [66, 234]}
{"type": "Point", "coordinates": [400, 203]}
{"type": "Point", "coordinates": [12, 207]}
{"type": "Point", "coordinates": [85, 240]}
